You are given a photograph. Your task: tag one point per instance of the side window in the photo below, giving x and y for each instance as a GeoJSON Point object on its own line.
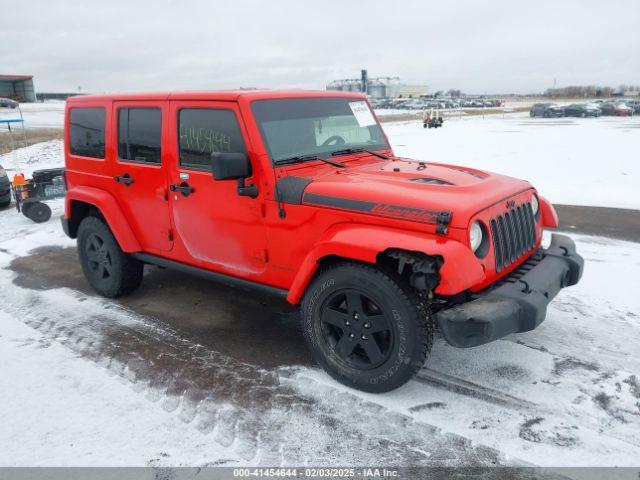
{"type": "Point", "coordinates": [86, 132]}
{"type": "Point", "coordinates": [139, 134]}
{"type": "Point", "coordinates": [203, 131]}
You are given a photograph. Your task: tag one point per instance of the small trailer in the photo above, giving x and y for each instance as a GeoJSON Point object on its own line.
{"type": "Point", "coordinates": [30, 194]}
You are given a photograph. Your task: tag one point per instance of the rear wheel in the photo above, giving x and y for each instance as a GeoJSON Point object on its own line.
{"type": "Point", "coordinates": [109, 270]}
{"type": "Point", "coordinates": [364, 328]}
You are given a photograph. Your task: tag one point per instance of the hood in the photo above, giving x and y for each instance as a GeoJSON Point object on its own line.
{"type": "Point", "coordinates": [411, 190]}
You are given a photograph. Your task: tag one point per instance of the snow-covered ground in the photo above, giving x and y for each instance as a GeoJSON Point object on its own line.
{"type": "Point", "coordinates": [570, 161]}
{"type": "Point", "coordinates": [38, 115]}
{"type": "Point", "coordinates": [34, 157]}
{"type": "Point", "coordinates": [76, 388]}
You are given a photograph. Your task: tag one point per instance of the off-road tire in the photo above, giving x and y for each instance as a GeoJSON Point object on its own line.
{"type": "Point", "coordinates": [411, 325]}
{"type": "Point", "coordinates": [125, 271]}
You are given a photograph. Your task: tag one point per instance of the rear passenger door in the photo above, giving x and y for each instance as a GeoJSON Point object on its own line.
{"type": "Point", "coordinates": [139, 171]}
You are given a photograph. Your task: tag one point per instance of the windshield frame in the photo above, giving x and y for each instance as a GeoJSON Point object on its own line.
{"type": "Point", "coordinates": [383, 144]}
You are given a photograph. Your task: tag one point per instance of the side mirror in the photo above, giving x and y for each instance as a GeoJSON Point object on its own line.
{"type": "Point", "coordinates": [228, 166]}
{"type": "Point", "coordinates": [232, 166]}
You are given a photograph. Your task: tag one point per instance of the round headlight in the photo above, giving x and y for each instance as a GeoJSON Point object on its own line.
{"type": "Point", "coordinates": [475, 236]}
{"type": "Point", "coordinates": [534, 204]}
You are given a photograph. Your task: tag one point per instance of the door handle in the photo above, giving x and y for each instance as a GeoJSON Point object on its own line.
{"type": "Point", "coordinates": [126, 179]}
{"type": "Point", "coordinates": [183, 188]}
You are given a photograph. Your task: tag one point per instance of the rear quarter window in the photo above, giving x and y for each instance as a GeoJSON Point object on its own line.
{"type": "Point", "coordinates": [86, 132]}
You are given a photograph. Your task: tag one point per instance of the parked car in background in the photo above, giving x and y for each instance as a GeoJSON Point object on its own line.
{"type": "Point", "coordinates": [635, 104]}
{"type": "Point", "coordinates": [582, 110]}
{"type": "Point", "coordinates": [617, 109]}
{"type": "Point", "coordinates": [546, 110]}
{"type": "Point", "coordinates": [8, 103]}
{"type": "Point", "coordinates": [5, 188]}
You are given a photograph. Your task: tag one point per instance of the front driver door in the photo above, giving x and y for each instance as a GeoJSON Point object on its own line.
{"type": "Point", "coordinates": [214, 226]}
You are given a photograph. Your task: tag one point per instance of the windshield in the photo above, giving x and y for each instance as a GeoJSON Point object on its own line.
{"type": "Point", "coordinates": [316, 127]}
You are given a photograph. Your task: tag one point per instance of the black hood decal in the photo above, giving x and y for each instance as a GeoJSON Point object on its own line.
{"type": "Point", "coordinates": [382, 209]}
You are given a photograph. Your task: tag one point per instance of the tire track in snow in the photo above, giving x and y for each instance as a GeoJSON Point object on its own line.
{"type": "Point", "coordinates": [471, 389]}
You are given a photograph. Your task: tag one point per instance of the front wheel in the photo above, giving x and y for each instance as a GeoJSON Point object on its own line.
{"type": "Point", "coordinates": [109, 270]}
{"type": "Point", "coordinates": [367, 330]}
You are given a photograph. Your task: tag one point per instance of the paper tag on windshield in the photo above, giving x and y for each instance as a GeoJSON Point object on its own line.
{"type": "Point", "coordinates": [363, 114]}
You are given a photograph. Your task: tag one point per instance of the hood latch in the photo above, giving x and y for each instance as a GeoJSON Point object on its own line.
{"type": "Point", "coordinates": [443, 219]}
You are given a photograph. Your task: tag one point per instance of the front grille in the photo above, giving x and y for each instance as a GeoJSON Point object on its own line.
{"type": "Point", "coordinates": [514, 234]}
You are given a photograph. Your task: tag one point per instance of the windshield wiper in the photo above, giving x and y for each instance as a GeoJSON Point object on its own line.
{"type": "Point", "coordinates": [296, 159]}
{"type": "Point", "coordinates": [347, 151]}
{"type": "Point", "coordinates": [307, 158]}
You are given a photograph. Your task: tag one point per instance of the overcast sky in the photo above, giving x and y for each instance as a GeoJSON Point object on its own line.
{"type": "Point", "coordinates": [495, 46]}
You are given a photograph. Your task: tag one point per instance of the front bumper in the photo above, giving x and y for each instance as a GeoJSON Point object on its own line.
{"type": "Point", "coordinates": [519, 302]}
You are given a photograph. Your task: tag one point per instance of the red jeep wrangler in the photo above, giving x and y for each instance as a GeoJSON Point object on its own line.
{"type": "Point", "coordinates": [299, 193]}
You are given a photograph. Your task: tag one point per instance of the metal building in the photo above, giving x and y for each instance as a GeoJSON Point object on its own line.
{"type": "Point", "coordinates": [18, 87]}
{"type": "Point", "coordinates": [379, 87]}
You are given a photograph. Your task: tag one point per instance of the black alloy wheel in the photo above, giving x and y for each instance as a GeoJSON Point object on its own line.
{"type": "Point", "coordinates": [109, 270]}
{"type": "Point", "coordinates": [98, 257]}
{"type": "Point", "coordinates": [356, 329]}
{"type": "Point", "coordinates": [367, 328]}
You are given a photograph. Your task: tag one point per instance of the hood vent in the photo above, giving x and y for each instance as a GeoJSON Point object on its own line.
{"type": "Point", "coordinates": [430, 181]}
{"type": "Point", "coordinates": [473, 174]}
